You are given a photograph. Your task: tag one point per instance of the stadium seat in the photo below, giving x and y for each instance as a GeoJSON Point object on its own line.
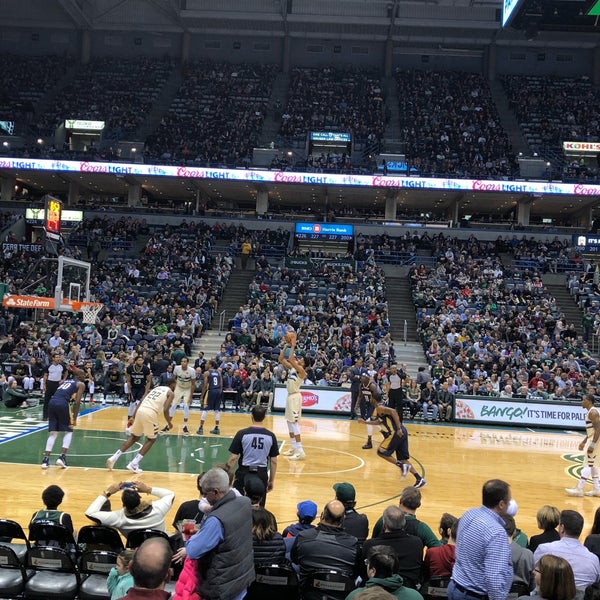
{"type": "Point", "coordinates": [96, 566]}
{"type": "Point", "coordinates": [327, 585]}
{"type": "Point", "coordinates": [11, 530]}
{"type": "Point", "coordinates": [137, 536]}
{"type": "Point", "coordinates": [274, 582]}
{"type": "Point", "coordinates": [55, 574]}
{"type": "Point", "coordinates": [99, 537]}
{"type": "Point", "coordinates": [437, 588]}
{"type": "Point", "coordinates": [46, 533]}
{"type": "Point", "coordinates": [12, 573]}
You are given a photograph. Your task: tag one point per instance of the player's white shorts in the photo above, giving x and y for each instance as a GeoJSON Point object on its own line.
{"type": "Point", "coordinates": [145, 423]}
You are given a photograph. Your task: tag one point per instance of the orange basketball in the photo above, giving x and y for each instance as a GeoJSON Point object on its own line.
{"type": "Point", "coordinates": [290, 336]}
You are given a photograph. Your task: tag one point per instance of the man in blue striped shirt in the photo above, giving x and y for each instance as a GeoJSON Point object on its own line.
{"type": "Point", "coordinates": [483, 568]}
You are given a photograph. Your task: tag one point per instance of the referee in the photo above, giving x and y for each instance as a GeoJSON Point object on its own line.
{"type": "Point", "coordinates": [256, 450]}
{"type": "Point", "coordinates": [54, 374]}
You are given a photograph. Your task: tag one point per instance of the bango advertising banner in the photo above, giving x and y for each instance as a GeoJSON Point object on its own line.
{"type": "Point", "coordinates": [519, 412]}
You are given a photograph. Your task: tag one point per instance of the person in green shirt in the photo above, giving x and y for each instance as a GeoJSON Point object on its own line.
{"type": "Point", "coordinates": [382, 565]}
{"type": "Point", "coordinates": [410, 500]}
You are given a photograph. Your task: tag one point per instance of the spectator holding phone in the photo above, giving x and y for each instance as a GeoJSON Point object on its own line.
{"type": "Point", "coordinates": [136, 513]}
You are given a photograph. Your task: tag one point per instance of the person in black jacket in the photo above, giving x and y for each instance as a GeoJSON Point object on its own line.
{"type": "Point", "coordinates": [355, 524]}
{"type": "Point", "coordinates": [327, 546]}
{"type": "Point", "coordinates": [408, 548]}
{"type": "Point", "coordinates": [268, 544]}
{"type": "Point", "coordinates": [548, 518]}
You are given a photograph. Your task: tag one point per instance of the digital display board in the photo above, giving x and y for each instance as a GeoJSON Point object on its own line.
{"type": "Point", "coordinates": [83, 124]}
{"type": "Point", "coordinates": [333, 232]}
{"type": "Point", "coordinates": [587, 243]}
{"type": "Point", "coordinates": [53, 218]}
{"type": "Point", "coordinates": [509, 8]}
{"type": "Point", "coordinates": [330, 136]}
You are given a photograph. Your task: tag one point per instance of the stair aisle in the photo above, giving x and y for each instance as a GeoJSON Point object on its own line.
{"type": "Point", "coordinates": [235, 295]}
{"type": "Point", "coordinates": [565, 301]}
{"type": "Point", "coordinates": [401, 309]}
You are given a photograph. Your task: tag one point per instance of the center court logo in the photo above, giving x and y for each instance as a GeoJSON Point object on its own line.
{"type": "Point", "coordinates": [575, 464]}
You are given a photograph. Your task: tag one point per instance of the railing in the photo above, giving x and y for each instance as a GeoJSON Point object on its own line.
{"type": "Point", "coordinates": [551, 264]}
{"type": "Point", "coordinates": [221, 321]}
{"type": "Point", "coordinates": [405, 333]}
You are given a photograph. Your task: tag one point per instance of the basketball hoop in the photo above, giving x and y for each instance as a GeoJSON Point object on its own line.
{"type": "Point", "coordinates": [90, 310]}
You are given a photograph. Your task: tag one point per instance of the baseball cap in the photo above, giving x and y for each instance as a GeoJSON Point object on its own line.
{"type": "Point", "coordinates": [307, 508]}
{"type": "Point", "coordinates": [254, 486]}
{"type": "Point", "coordinates": [344, 492]}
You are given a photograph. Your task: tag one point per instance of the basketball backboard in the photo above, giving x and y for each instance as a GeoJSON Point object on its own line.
{"type": "Point", "coordinates": [73, 282]}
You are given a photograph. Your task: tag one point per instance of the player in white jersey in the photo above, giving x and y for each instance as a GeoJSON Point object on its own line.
{"type": "Point", "coordinates": [185, 376]}
{"type": "Point", "coordinates": [293, 403]}
{"type": "Point", "coordinates": [592, 435]}
{"type": "Point", "coordinates": [145, 422]}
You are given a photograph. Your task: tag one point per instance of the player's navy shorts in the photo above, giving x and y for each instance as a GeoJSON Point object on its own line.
{"type": "Point", "coordinates": [59, 416]}
{"type": "Point", "coordinates": [137, 393]}
{"type": "Point", "coordinates": [213, 400]}
{"type": "Point", "coordinates": [365, 410]}
{"type": "Point", "coordinates": [396, 444]}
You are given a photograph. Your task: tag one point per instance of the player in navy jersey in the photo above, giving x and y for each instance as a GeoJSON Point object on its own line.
{"type": "Point", "coordinates": [213, 393]}
{"type": "Point", "coordinates": [255, 449]}
{"type": "Point", "coordinates": [139, 379]}
{"type": "Point", "coordinates": [368, 391]}
{"type": "Point", "coordinates": [394, 447]}
{"type": "Point", "coordinates": [60, 417]}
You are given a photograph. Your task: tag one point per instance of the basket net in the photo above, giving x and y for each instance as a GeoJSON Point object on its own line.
{"type": "Point", "coordinates": [90, 310]}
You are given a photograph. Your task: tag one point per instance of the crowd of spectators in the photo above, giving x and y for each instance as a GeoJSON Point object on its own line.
{"type": "Point", "coordinates": [118, 91]}
{"type": "Point", "coordinates": [489, 331]}
{"type": "Point", "coordinates": [334, 99]}
{"type": "Point", "coordinates": [554, 110]}
{"type": "Point", "coordinates": [155, 303]}
{"type": "Point", "coordinates": [217, 115]}
{"type": "Point", "coordinates": [25, 81]}
{"type": "Point", "coordinates": [451, 125]}
{"type": "Point", "coordinates": [399, 553]}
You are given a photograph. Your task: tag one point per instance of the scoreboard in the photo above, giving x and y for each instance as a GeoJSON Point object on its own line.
{"type": "Point", "coordinates": [324, 232]}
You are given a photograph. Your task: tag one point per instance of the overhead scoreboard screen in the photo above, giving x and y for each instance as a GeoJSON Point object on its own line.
{"type": "Point", "coordinates": [324, 232]}
{"type": "Point", "coordinates": [509, 10]}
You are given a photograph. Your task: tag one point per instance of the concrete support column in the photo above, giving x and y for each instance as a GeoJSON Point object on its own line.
{"type": "Point", "coordinates": [585, 218]}
{"type": "Point", "coordinates": [86, 47]}
{"type": "Point", "coordinates": [262, 202]}
{"type": "Point", "coordinates": [134, 194]}
{"type": "Point", "coordinates": [523, 211]}
{"type": "Point", "coordinates": [73, 196]}
{"type": "Point", "coordinates": [491, 62]}
{"type": "Point", "coordinates": [285, 54]}
{"type": "Point", "coordinates": [185, 47]}
{"type": "Point", "coordinates": [452, 213]}
{"type": "Point", "coordinates": [391, 206]}
{"type": "Point", "coordinates": [389, 57]}
{"type": "Point", "coordinates": [596, 66]}
{"type": "Point", "coordinates": [7, 191]}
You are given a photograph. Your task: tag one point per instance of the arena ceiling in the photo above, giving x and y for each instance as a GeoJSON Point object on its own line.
{"type": "Point", "coordinates": [445, 26]}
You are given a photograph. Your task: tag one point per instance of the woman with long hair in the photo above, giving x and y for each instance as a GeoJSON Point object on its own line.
{"type": "Point", "coordinates": [554, 579]}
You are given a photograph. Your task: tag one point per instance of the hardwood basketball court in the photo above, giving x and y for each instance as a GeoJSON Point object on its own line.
{"type": "Point", "coordinates": [455, 462]}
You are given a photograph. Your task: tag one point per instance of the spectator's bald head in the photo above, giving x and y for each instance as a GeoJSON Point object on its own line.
{"type": "Point", "coordinates": [151, 563]}
{"type": "Point", "coordinates": [333, 513]}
